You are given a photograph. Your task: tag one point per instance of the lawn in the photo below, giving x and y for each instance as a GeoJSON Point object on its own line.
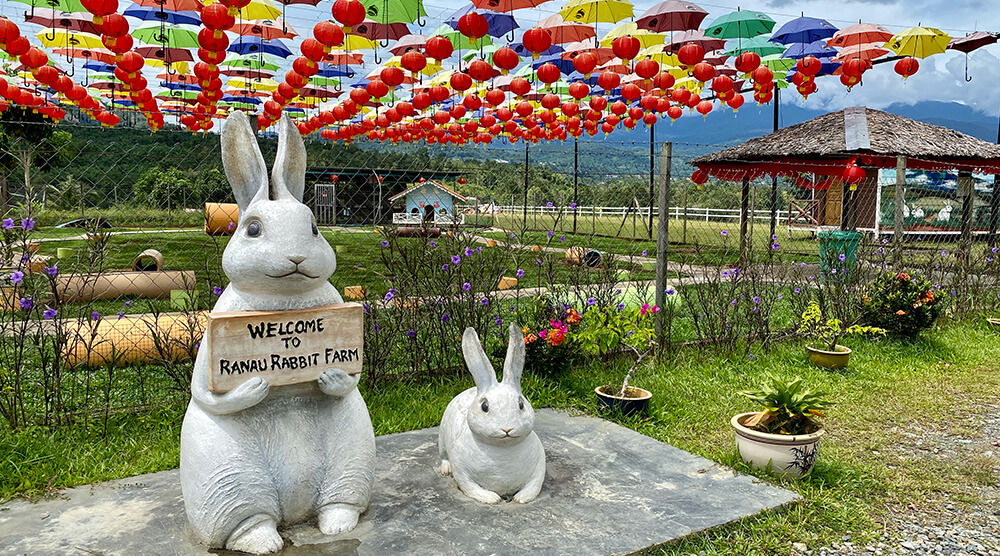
{"type": "Point", "coordinates": [938, 382]}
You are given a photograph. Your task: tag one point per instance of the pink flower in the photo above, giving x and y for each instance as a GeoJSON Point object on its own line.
{"type": "Point", "coordinates": [645, 307]}
{"type": "Point", "coordinates": [543, 333]}
{"type": "Point", "coordinates": [655, 309]}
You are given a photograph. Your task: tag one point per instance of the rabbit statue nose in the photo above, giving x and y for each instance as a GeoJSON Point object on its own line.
{"type": "Point", "coordinates": [507, 431]}
{"type": "Point", "coordinates": [296, 259]}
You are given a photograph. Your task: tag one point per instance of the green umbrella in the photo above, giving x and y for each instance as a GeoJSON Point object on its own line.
{"type": "Point", "coordinates": [460, 41]}
{"type": "Point", "coordinates": [252, 61]}
{"type": "Point", "coordinates": [57, 5]}
{"type": "Point", "coordinates": [741, 24]}
{"type": "Point", "coordinates": [238, 105]}
{"type": "Point", "coordinates": [177, 93]}
{"type": "Point", "coordinates": [487, 52]}
{"type": "Point", "coordinates": [394, 11]}
{"type": "Point", "coordinates": [323, 81]}
{"type": "Point", "coordinates": [170, 36]}
{"type": "Point", "coordinates": [776, 63]}
{"type": "Point", "coordinates": [760, 45]}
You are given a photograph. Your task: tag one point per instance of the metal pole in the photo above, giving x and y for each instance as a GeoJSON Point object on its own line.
{"type": "Point", "coordinates": [774, 178]}
{"type": "Point", "coordinates": [663, 203]}
{"type": "Point", "coordinates": [967, 192]}
{"type": "Point", "coordinates": [897, 220]}
{"type": "Point", "coordinates": [744, 207]}
{"type": "Point", "coordinates": [652, 157]}
{"type": "Point", "coordinates": [576, 177]}
{"type": "Point", "coordinates": [524, 209]}
{"type": "Point", "coordinates": [994, 202]}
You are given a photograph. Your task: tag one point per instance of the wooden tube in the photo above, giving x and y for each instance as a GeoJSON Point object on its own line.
{"type": "Point", "coordinates": [113, 285]}
{"type": "Point", "coordinates": [221, 218]}
{"type": "Point", "coordinates": [113, 341]}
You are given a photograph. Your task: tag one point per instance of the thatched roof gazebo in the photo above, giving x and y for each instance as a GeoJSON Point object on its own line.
{"type": "Point", "coordinates": [836, 144]}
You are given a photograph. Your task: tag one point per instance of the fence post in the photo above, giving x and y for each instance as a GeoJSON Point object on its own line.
{"type": "Point", "coordinates": [744, 214]}
{"type": "Point", "coordinates": [662, 241]}
{"type": "Point", "coordinates": [897, 219]}
{"type": "Point", "coordinates": [652, 157]}
{"type": "Point", "coordinates": [525, 208]}
{"type": "Point", "coordinates": [576, 177]}
{"type": "Point", "coordinates": [966, 190]}
{"type": "Point", "coordinates": [684, 238]}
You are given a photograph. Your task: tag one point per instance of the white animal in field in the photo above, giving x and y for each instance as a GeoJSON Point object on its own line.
{"type": "Point", "coordinates": [917, 212]}
{"type": "Point", "coordinates": [906, 211]}
{"type": "Point", "coordinates": [944, 214]}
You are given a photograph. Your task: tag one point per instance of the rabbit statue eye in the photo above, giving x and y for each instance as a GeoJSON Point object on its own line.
{"type": "Point", "coordinates": [485, 406]}
{"type": "Point", "coordinates": [520, 404]}
{"type": "Point", "coordinates": [315, 229]}
{"type": "Point", "coordinates": [254, 229]}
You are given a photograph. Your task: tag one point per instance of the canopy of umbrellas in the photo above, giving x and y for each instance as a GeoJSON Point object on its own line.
{"type": "Point", "coordinates": [368, 68]}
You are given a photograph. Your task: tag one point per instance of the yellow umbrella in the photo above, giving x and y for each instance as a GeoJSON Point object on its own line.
{"type": "Point", "coordinates": [690, 84]}
{"type": "Point", "coordinates": [263, 84]}
{"type": "Point", "coordinates": [181, 67]}
{"type": "Point", "coordinates": [430, 69]}
{"type": "Point", "coordinates": [70, 40]}
{"type": "Point", "coordinates": [646, 38]}
{"type": "Point", "coordinates": [257, 9]}
{"type": "Point", "coordinates": [354, 42]}
{"type": "Point", "coordinates": [596, 11]}
{"type": "Point", "coordinates": [441, 78]}
{"type": "Point", "coordinates": [919, 42]}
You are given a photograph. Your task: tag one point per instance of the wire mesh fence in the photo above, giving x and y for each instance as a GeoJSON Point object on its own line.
{"type": "Point", "coordinates": [113, 241]}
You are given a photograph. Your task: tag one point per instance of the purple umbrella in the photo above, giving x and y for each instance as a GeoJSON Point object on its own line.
{"type": "Point", "coordinates": [804, 30]}
{"type": "Point", "coordinates": [500, 23]}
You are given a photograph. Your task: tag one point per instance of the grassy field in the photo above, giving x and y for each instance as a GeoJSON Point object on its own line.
{"type": "Point", "coordinates": [939, 382]}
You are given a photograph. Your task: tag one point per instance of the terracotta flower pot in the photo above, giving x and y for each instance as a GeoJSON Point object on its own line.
{"type": "Point", "coordinates": [635, 401]}
{"type": "Point", "coordinates": [785, 455]}
{"type": "Point", "coordinates": [830, 359]}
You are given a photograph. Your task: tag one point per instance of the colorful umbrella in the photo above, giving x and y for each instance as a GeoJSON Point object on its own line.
{"type": "Point", "coordinates": [52, 19]}
{"type": "Point", "coordinates": [246, 73]}
{"type": "Point", "coordinates": [919, 42]}
{"type": "Point", "coordinates": [70, 40]}
{"type": "Point", "coordinates": [865, 52]}
{"type": "Point", "coordinates": [817, 49]}
{"type": "Point", "coordinates": [741, 24]}
{"type": "Point", "coordinates": [407, 44]}
{"type": "Point", "coordinates": [596, 11]}
{"type": "Point", "coordinates": [672, 15]}
{"type": "Point", "coordinates": [146, 13]}
{"type": "Point", "coordinates": [695, 36]}
{"type": "Point", "coordinates": [394, 11]}
{"type": "Point", "coordinates": [563, 31]}
{"type": "Point", "coordinates": [167, 54]}
{"type": "Point", "coordinates": [603, 55]}
{"type": "Point", "coordinates": [646, 38]}
{"type": "Point", "coordinates": [499, 24]}
{"type": "Point", "coordinates": [862, 33]}
{"type": "Point", "coordinates": [776, 63]}
{"type": "Point", "coordinates": [253, 61]}
{"type": "Point", "coordinates": [507, 5]}
{"type": "Point", "coordinates": [172, 5]}
{"type": "Point", "coordinates": [760, 45]}
{"type": "Point", "coordinates": [972, 41]}
{"type": "Point", "coordinates": [804, 30]}
{"type": "Point", "coordinates": [57, 5]}
{"type": "Point", "coordinates": [345, 58]}
{"type": "Point", "coordinates": [102, 55]}
{"type": "Point", "coordinates": [255, 45]}
{"type": "Point", "coordinates": [171, 36]}
{"type": "Point", "coordinates": [375, 31]}
{"type": "Point", "coordinates": [266, 29]}
{"type": "Point", "coordinates": [460, 41]}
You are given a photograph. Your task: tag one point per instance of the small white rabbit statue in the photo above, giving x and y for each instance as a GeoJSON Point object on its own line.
{"type": "Point", "coordinates": [259, 456]}
{"type": "Point", "coordinates": [487, 440]}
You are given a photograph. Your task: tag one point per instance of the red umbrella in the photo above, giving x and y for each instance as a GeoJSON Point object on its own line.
{"type": "Point", "coordinates": [341, 58]}
{"type": "Point", "coordinates": [972, 41]}
{"type": "Point", "coordinates": [54, 19]}
{"type": "Point", "coordinates": [696, 36]}
{"type": "Point", "coordinates": [172, 5]}
{"type": "Point", "coordinates": [375, 31]}
{"type": "Point", "coordinates": [603, 55]}
{"type": "Point", "coordinates": [864, 52]}
{"type": "Point", "coordinates": [102, 55]}
{"type": "Point", "coordinates": [266, 29]}
{"type": "Point", "coordinates": [859, 34]}
{"type": "Point", "coordinates": [672, 15]}
{"type": "Point", "coordinates": [169, 55]}
{"type": "Point", "coordinates": [563, 31]}
{"type": "Point", "coordinates": [506, 5]}
{"type": "Point", "coordinates": [408, 43]}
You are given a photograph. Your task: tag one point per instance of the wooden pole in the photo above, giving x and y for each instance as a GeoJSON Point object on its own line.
{"type": "Point", "coordinates": [994, 202]}
{"type": "Point", "coordinates": [576, 177]}
{"type": "Point", "coordinates": [525, 207]}
{"type": "Point", "coordinates": [897, 220]}
{"type": "Point", "coordinates": [652, 158]}
{"type": "Point", "coordinates": [967, 192]}
{"type": "Point", "coordinates": [663, 204]}
{"type": "Point", "coordinates": [744, 207]}
{"type": "Point", "coordinates": [774, 178]}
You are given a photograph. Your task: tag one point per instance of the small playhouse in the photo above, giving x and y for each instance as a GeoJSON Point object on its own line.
{"type": "Point", "coordinates": [429, 202]}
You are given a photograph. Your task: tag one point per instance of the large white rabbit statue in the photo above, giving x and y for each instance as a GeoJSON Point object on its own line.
{"type": "Point", "coordinates": [487, 440]}
{"type": "Point", "coordinates": [259, 456]}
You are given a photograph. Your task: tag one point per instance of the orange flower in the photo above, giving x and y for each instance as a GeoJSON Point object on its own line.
{"type": "Point", "coordinates": [572, 317]}
{"type": "Point", "coordinates": [555, 337]}
{"type": "Point", "coordinates": [903, 277]}
{"type": "Point", "coordinates": [900, 312]}
{"type": "Point", "coordinates": [530, 338]}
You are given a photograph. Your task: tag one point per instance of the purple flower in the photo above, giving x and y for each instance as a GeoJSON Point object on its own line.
{"type": "Point", "coordinates": [513, 236]}
{"type": "Point", "coordinates": [128, 303]}
{"type": "Point", "coordinates": [217, 290]}
{"type": "Point", "coordinates": [842, 257]}
{"type": "Point", "coordinates": [445, 318]}
{"type": "Point", "coordinates": [444, 267]}
{"type": "Point", "coordinates": [49, 314]}
{"type": "Point", "coordinates": [833, 271]}
{"type": "Point", "coordinates": [365, 308]}
{"type": "Point", "coordinates": [390, 294]}
{"type": "Point", "coordinates": [8, 223]}
{"type": "Point", "coordinates": [455, 259]}
{"type": "Point", "coordinates": [468, 251]}
{"type": "Point", "coordinates": [538, 262]}
{"type": "Point", "coordinates": [734, 302]}
{"type": "Point", "coordinates": [26, 303]}
{"type": "Point", "coordinates": [669, 291]}
{"type": "Point", "coordinates": [643, 252]}
{"type": "Point", "coordinates": [775, 246]}
{"type": "Point", "coordinates": [803, 264]}
{"type": "Point", "coordinates": [591, 301]}
{"type": "Point", "coordinates": [944, 253]}
{"type": "Point", "coordinates": [549, 204]}
{"type": "Point", "coordinates": [724, 233]}
{"type": "Point", "coordinates": [433, 244]}
{"type": "Point", "coordinates": [621, 306]}
{"type": "Point", "coordinates": [756, 299]}
{"type": "Point", "coordinates": [51, 270]}
{"type": "Point", "coordinates": [95, 316]}
{"type": "Point", "coordinates": [725, 274]}
{"type": "Point", "coordinates": [466, 286]}
{"type": "Point", "coordinates": [811, 277]}
{"type": "Point", "coordinates": [774, 237]}
{"type": "Point", "coordinates": [750, 356]}
{"type": "Point", "coordinates": [498, 320]}
{"type": "Point", "coordinates": [28, 224]}
{"type": "Point", "coordinates": [384, 243]}
{"type": "Point", "coordinates": [780, 296]}
{"type": "Point", "coordinates": [17, 276]}
{"type": "Point", "coordinates": [520, 273]}
{"type": "Point", "coordinates": [231, 226]}
{"type": "Point", "coordinates": [120, 315]}
{"type": "Point", "coordinates": [550, 233]}
{"type": "Point", "coordinates": [562, 237]}
{"type": "Point", "coordinates": [484, 302]}
{"type": "Point", "coordinates": [513, 309]}
{"type": "Point", "coordinates": [995, 249]}
{"type": "Point", "coordinates": [572, 205]}
{"type": "Point", "coordinates": [479, 249]}
{"type": "Point", "coordinates": [796, 290]}
{"type": "Point", "coordinates": [411, 333]}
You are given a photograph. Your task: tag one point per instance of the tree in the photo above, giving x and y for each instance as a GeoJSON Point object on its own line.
{"type": "Point", "coordinates": [25, 133]}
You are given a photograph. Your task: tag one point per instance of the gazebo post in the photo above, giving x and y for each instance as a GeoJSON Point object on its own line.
{"type": "Point", "coordinates": [774, 178]}
{"type": "Point", "coordinates": [662, 239]}
{"type": "Point", "coordinates": [897, 220]}
{"type": "Point", "coordinates": [965, 190]}
{"type": "Point", "coordinates": [994, 202]}
{"type": "Point", "coordinates": [744, 211]}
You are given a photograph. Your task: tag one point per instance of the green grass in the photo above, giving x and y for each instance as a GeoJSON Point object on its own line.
{"type": "Point", "coordinates": [934, 383]}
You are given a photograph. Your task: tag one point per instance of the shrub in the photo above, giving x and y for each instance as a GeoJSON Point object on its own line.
{"type": "Point", "coordinates": [789, 407]}
{"type": "Point", "coordinates": [901, 304]}
{"type": "Point", "coordinates": [549, 336]}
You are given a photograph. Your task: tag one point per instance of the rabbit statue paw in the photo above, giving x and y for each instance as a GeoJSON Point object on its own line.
{"type": "Point", "coordinates": [487, 440]}
{"type": "Point", "coordinates": [337, 383]}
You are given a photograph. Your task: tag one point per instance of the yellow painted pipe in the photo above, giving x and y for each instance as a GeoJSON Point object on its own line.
{"type": "Point", "coordinates": [113, 341]}
{"type": "Point", "coordinates": [221, 218]}
{"type": "Point", "coordinates": [113, 285]}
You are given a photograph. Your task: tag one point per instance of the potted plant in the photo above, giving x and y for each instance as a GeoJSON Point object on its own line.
{"type": "Point", "coordinates": [783, 437]}
{"type": "Point", "coordinates": [605, 331]}
{"type": "Point", "coordinates": [827, 333]}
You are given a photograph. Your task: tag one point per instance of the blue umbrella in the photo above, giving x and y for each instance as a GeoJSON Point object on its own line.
{"type": "Point", "coordinates": [818, 49]}
{"type": "Point", "coordinates": [500, 23]}
{"type": "Point", "coordinates": [524, 52]}
{"type": "Point", "coordinates": [804, 30]}
{"type": "Point", "coordinates": [827, 67]}
{"type": "Point", "coordinates": [244, 100]}
{"type": "Point", "coordinates": [152, 14]}
{"type": "Point", "coordinates": [99, 67]}
{"type": "Point", "coordinates": [173, 85]}
{"type": "Point", "coordinates": [565, 66]}
{"type": "Point", "coordinates": [327, 70]}
{"type": "Point", "coordinates": [253, 45]}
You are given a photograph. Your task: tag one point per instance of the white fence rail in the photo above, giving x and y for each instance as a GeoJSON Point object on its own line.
{"type": "Point", "coordinates": [676, 213]}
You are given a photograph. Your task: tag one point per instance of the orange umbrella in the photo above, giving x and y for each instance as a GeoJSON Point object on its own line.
{"type": "Point", "coordinates": [859, 34]}
{"type": "Point", "coordinates": [864, 52]}
{"type": "Point", "coordinates": [603, 55]}
{"type": "Point", "coordinates": [344, 59]}
{"type": "Point", "coordinates": [266, 29]}
{"type": "Point", "coordinates": [506, 5]}
{"type": "Point", "coordinates": [563, 31]}
{"type": "Point", "coordinates": [172, 5]}
{"type": "Point", "coordinates": [102, 55]}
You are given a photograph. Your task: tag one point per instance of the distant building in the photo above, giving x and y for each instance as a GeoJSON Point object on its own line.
{"type": "Point", "coordinates": [428, 202]}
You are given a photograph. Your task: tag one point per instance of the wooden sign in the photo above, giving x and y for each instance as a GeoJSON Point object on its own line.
{"type": "Point", "coordinates": [282, 347]}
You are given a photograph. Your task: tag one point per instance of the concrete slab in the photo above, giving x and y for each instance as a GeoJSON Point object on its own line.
{"type": "Point", "coordinates": [608, 490]}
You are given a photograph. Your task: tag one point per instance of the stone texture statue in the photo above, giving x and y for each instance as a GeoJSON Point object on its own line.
{"type": "Point", "coordinates": [486, 441]}
{"type": "Point", "coordinates": [258, 456]}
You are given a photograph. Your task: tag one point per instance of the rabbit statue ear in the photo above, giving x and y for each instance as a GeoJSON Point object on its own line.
{"type": "Point", "coordinates": [514, 364]}
{"type": "Point", "coordinates": [475, 358]}
{"type": "Point", "coordinates": [241, 159]}
{"type": "Point", "coordinates": [289, 173]}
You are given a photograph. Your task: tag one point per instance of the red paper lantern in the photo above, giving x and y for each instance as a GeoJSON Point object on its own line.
{"type": "Point", "coordinates": [472, 102]}
{"type": "Point", "coordinates": [736, 102]}
{"type": "Point", "coordinates": [495, 97]}
{"type": "Point", "coordinates": [598, 103]}
{"type": "Point", "coordinates": [747, 62]}
{"type": "Point", "coordinates": [631, 92]}
{"type": "Point", "coordinates": [460, 81]}
{"type": "Point", "coordinates": [722, 84]}
{"type": "Point", "coordinates": [216, 17]}
{"type": "Point", "coordinates": [907, 67]}
{"type": "Point", "coordinates": [439, 93]}
{"type": "Point", "coordinates": [703, 72]}
{"type": "Point", "coordinates": [8, 31]}
{"type": "Point", "coordinates": [421, 101]}
{"type": "Point", "coordinates": [763, 74]}
{"type": "Point", "coordinates": [646, 69]}
{"type": "Point", "coordinates": [506, 59]}
{"type": "Point", "coordinates": [853, 68]}
{"type": "Point", "coordinates": [520, 86]}
{"type": "Point", "coordinates": [349, 13]}
{"type": "Point", "coordinates": [626, 47]}
{"type": "Point", "coordinates": [439, 48]}
{"type": "Point", "coordinates": [674, 112]}
{"type": "Point", "coordinates": [663, 81]}
{"type": "Point", "coordinates": [690, 54]}
{"type": "Point", "coordinates": [548, 73]}
{"type": "Point", "coordinates": [523, 108]}
{"type": "Point", "coordinates": [100, 8]}
{"type": "Point", "coordinates": [360, 95]}
{"type": "Point", "coordinates": [536, 41]}
{"type": "Point", "coordinates": [18, 46]}
{"type": "Point", "coordinates": [413, 61]}
{"type": "Point", "coordinates": [474, 26]}
{"type": "Point", "coordinates": [585, 62]}
{"type": "Point", "coordinates": [208, 56]}
{"type": "Point", "coordinates": [608, 80]}
{"type": "Point", "coordinates": [854, 174]}
{"type": "Point", "coordinates": [328, 33]}
{"type": "Point", "coordinates": [550, 101]}
{"type": "Point", "coordinates": [578, 90]}
{"type": "Point", "coordinates": [481, 70]}
{"type": "Point", "coordinates": [34, 58]}
{"type": "Point", "coordinates": [376, 88]}
{"type": "Point", "coordinates": [391, 76]}
{"type": "Point", "coordinates": [810, 65]}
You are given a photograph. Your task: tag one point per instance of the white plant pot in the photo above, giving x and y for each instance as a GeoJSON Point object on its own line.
{"type": "Point", "coordinates": [790, 456]}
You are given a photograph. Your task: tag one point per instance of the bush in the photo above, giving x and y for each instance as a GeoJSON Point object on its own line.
{"type": "Point", "coordinates": [901, 304]}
